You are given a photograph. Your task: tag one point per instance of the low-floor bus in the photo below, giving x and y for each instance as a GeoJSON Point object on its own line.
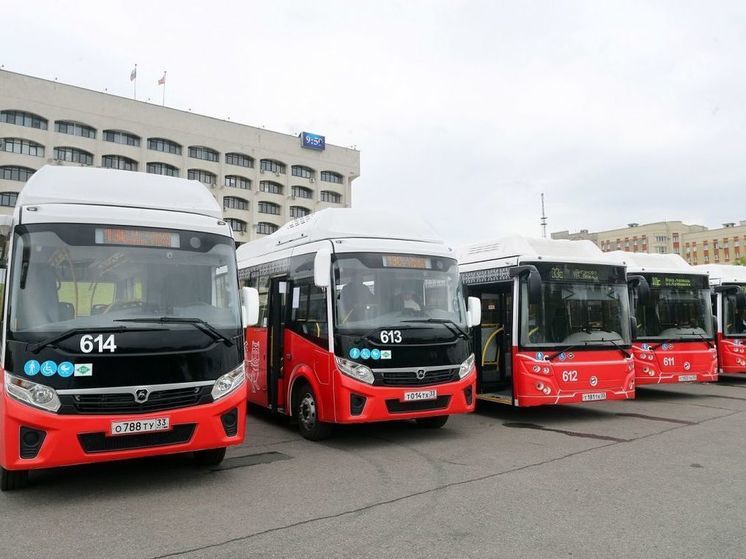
{"type": "Point", "coordinates": [121, 332]}
{"type": "Point", "coordinates": [556, 321]}
{"type": "Point", "coordinates": [362, 318]}
{"type": "Point", "coordinates": [729, 299]}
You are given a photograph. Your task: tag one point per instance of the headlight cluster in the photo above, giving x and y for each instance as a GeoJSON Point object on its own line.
{"type": "Point", "coordinates": [466, 367]}
{"type": "Point", "coordinates": [355, 370]}
{"type": "Point", "coordinates": [37, 395]}
{"type": "Point", "coordinates": [228, 382]}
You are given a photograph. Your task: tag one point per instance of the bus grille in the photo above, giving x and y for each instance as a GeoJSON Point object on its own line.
{"type": "Point", "coordinates": [100, 442]}
{"type": "Point", "coordinates": [409, 378]}
{"type": "Point", "coordinates": [124, 403]}
{"type": "Point", "coordinates": [397, 406]}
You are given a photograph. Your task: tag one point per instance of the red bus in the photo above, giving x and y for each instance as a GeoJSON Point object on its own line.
{"type": "Point", "coordinates": [362, 318]}
{"type": "Point", "coordinates": [729, 298]}
{"type": "Point", "coordinates": [122, 333]}
{"type": "Point", "coordinates": [555, 326]}
{"type": "Point", "coordinates": [673, 333]}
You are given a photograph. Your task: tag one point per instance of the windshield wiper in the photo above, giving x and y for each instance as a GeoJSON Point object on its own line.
{"type": "Point", "coordinates": [447, 322]}
{"type": "Point", "coordinates": [198, 323]}
{"type": "Point", "coordinates": [37, 347]}
{"type": "Point", "coordinates": [708, 341]}
{"type": "Point", "coordinates": [565, 350]}
{"type": "Point", "coordinates": [626, 353]}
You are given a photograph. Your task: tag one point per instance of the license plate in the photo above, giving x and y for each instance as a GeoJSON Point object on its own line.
{"type": "Point", "coordinates": [420, 395]}
{"type": "Point", "coordinates": [593, 396]}
{"type": "Point", "coordinates": [687, 378]}
{"type": "Point", "coordinates": [140, 426]}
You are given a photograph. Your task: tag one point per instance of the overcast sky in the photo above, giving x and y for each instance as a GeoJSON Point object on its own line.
{"type": "Point", "coordinates": [464, 112]}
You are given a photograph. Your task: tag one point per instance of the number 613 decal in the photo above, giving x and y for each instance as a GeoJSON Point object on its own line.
{"type": "Point", "coordinates": [89, 342]}
{"type": "Point", "coordinates": [390, 336]}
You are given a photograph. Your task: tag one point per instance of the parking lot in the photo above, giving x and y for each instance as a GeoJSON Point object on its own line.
{"type": "Point", "coordinates": [664, 475]}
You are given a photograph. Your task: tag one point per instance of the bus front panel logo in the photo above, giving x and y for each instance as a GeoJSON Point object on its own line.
{"type": "Point", "coordinates": [141, 395]}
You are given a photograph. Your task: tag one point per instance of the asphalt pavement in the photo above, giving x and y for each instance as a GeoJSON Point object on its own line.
{"type": "Point", "coordinates": [661, 476]}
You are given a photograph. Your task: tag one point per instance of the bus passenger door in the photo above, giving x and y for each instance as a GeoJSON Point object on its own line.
{"type": "Point", "coordinates": [494, 341]}
{"type": "Point", "coordinates": [277, 316]}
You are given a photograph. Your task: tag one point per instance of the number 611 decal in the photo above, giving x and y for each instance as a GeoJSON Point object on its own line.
{"type": "Point", "coordinates": [88, 342]}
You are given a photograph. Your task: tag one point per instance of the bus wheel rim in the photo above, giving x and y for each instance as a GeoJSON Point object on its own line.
{"type": "Point", "coordinates": [308, 411]}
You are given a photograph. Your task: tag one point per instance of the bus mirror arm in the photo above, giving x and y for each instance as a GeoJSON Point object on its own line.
{"type": "Point", "coordinates": [249, 306]}
{"type": "Point", "coordinates": [642, 286]}
{"type": "Point", "coordinates": [534, 279]}
{"type": "Point", "coordinates": [473, 312]}
{"type": "Point", "coordinates": [322, 264]}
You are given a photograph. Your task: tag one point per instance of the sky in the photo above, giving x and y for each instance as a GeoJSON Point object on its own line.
{"type": "Point", "coordinates": [464, 112]}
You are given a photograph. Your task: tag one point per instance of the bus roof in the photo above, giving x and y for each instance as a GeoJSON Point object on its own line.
{"type": "Point", "coordinates": [723, 273]}
{"type": "Point", "coordinates": [659, 263]}
{"type": "Point", "coordinates": [342, 223]}
{"type": "Point", "coordinates": [530, 249]}
{"type": "Point", "coordinates": [110, 187]}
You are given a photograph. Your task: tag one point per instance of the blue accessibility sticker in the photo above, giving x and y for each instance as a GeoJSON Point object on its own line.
{"type": "Point", "coordinates": [375, 353]}
{"type": "Point", "coordinates": [32, 367]}
{"type": "Point", "coordinates": [365, 353]}
{"type": "Point", "coordinates": [562, 356]}
{"type": "Point", "coordinates": [354, 353]}
{"type": "Point", "coordinates": [48, 368]}
{"type": "Point", "coordinates": [65, 369]}
{"type": "Point", "coordinates": [539, 356]}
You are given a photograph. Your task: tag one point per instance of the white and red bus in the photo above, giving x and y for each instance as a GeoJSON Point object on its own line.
{"type": "Point", "coordinates": [121, 332]}
{"type": "Point", "coordinates": [729, 298]}
{"type": "Point", "coordinates": [362, 318]}
{"type": "Point", "coordinates": [672, 334]}
{"type": "Point", "coordinates": [555, 323]}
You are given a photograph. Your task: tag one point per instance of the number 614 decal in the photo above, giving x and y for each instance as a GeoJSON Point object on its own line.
{"type": "Point", "coordinates": [88, 342]}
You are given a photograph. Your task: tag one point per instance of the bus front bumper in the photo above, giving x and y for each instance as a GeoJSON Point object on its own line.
{"type": "Point", "coordinates": [80, 439]}
{"type": "Point", "coordinates": [358, 402]}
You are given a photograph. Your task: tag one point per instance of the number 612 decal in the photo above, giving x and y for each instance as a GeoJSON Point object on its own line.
{"type": "Point", "coordinates": [88, 342]}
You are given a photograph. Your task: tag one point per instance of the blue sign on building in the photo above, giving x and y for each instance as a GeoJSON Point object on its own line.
{"type": "Point", "coordinates": [312, 141]}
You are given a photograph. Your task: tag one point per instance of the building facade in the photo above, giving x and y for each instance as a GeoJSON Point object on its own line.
{"type": "Point", "coordinates": [261, 178]}
{"type": "Point", "coordinates": [696, 243]}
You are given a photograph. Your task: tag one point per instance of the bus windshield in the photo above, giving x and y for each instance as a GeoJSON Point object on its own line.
{"type": "Point", "coordinates": [734, 324]}
{"type": "Point", "coordinates": [583, 305]}
{"type": "Point", "coordinates": [678, 307]}
{"type": "Point", "coordinates": [79, 276]}
{"type": "Point", "coordinates": [387, 290]}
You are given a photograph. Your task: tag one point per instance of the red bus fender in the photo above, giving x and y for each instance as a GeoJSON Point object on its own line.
{"type": "Point", "coordinates": [305, 373]}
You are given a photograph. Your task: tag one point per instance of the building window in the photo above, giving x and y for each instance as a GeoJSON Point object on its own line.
{"type": "Point", "coordinates": [205, 177]}
{"type": "Point", "coordinates": [8, 199]}
{"type": "Point", "coordinates": [270, 187]}
{"type": "Point", "coordinates": [331, 176]}
{"type": "Point", "coordinates": [335, 198]}
{"type": "Point", "coordinates": [202, 152]}
{"type": "Point", "coordinates": [75, 129]}
{"type": "Point", "coordinates": [272, 166]}
{"type": "Point", "coordinates": [269, 208]}
{"type": "Point", "coordinates": [237, 225]}
{"type": "Point", "coordinates": [299, 211]}
{"type": "Point", "coordinates": [23, 147]}
{"type": "Point", "coordinates": [166, 146]}
{"type": "Point", "coordinates": [15, 173]}
{"type": "Point", "coordinates": [234, 181]}
{"type": "Point", "coordinates": [233, 203]}
{"type": "Point", "coordinates": [301, 171]}
{"type": "Point", "coordinates": [162, 169]}
{"type": "Point", "coordinates": [73, 155]}
{"type": "Point", "coordinates": [119, 137]}
{"type": "Point", "coordinates": [302, 192]}
{"type": "Point", "coordinates": [264, 228]}
{"type": "Point", "coordinates": [21, 118]}
{"type": "Point", "coordinates": [240, 159]}
{"type": "Point", "coordinates": [118, 162]}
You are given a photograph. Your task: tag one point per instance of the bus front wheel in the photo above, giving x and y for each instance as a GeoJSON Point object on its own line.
{"type": "Point", "coordinates": [306, 412]}
{"type": "Point", "coordinates": [11, 480]}
{"type": "Point", "coordinates": [432, 422]}
{"type": "Point", "coordinates": [211, 457]}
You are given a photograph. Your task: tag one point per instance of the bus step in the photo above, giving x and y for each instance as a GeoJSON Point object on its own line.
{"type": "Point", "coordinates": [496, 397]}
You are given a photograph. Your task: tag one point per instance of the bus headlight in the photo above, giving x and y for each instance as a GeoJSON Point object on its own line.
{"type": "Point", "coordinates": [466, 367]}
{"type": "Point", "coordinates": [355, 370]}
{"type": "Point", "coordinates": [37, 395]}
{"type": "Point", "coordinates": [228, 382]}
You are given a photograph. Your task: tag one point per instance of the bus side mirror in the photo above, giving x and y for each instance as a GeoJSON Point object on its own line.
{"type": "Point", "coordinates": [534, 279]}
{"type": "Point", "coordinates": [633, 327]}
{"type": "Point", "coordinates": [322, 264]}
{"type": "Point", "coordinates": [641, 285]}
{"type": "Point", "coordinates": [473, 312]}
{"type": "Point", "coordinates": [741, 300]}
{"type": "Point", "coordinates": [249, 306]}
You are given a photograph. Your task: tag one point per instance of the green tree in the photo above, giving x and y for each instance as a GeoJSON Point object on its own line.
{"type": "Point", "coordinates": [740, 261]}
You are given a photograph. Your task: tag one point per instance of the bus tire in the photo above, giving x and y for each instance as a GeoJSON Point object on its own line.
{"type": "Point", "coordinates": [10, 480]}
{"type": "Point", "coordinates": [211, 457]}
{"type": "Point", "coordinates": [306, 414]}
{"type": "Point", "coordinates": [432, 422]}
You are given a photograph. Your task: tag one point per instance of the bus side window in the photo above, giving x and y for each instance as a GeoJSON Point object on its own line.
{"type": "Point", "coordinates": [308, 313]}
